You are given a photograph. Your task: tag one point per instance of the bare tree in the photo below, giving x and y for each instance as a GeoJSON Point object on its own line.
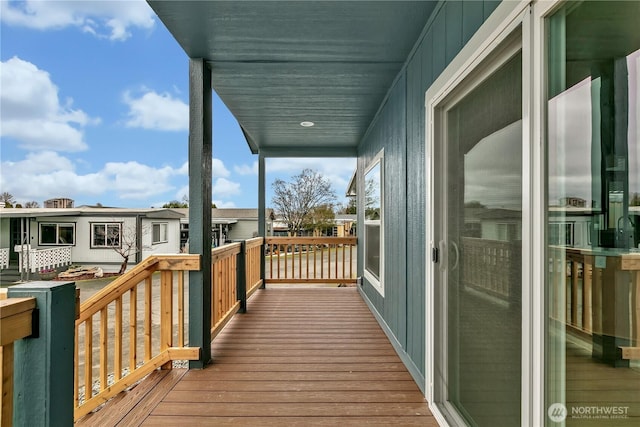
{"type": "Point", "coordinates": [8, 199]}
{"type": "Point", "coordinates": [32, 204]}
{"type": "Point", "coordinates": [123, 240]}
{"type": "Point", "coordinates": [294, 201]}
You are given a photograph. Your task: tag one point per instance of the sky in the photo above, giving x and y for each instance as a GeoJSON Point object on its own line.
{"type": "Point", "coordinates": [94, 107]}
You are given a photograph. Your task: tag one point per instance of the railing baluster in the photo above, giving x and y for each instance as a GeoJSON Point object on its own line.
{"type": "Point", "coordinates": [315, 262]}
{"type": "Point", "coordinates": [308, 247]}
{"type": "Point", "coordinates": [336, 262]}
{"type": "Point", "coordinates": [299, 261]}
{"type": "Point", "coordinates": [350, 261]}
{"type": "Point", "coordinates": [574, 293]}
{"type": "Point", "coordinates": [343, 260]}
{"type": "Point", "coordinates": [586, 295]}
{"type": "Point", "coordinates": [88, 359]}
{"type": "Point", "coordinates": [76, 363]}
{"type": "Point", "coordinates": [104, 341]}
{"type": "Point", "coordinates": [133, 328]}
{"type": "Point", "coordinates": [279, 246]}
{"type": "Point", "coordinates": [117, 357]}
{"type": "Point", "coordinates": [181, 309]}
{"type": "Point", "coordinates": [147, 318]}
{"type": "Point", "coordinates": [166, 313]}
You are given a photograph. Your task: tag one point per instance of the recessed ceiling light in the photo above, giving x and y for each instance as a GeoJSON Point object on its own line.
{"type": "Point", "coordinates": [306, 124]}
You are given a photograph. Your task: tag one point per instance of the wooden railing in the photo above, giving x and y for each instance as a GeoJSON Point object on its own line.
{"type": "Point", "coordinates": [584, 283]}
{"type": "Point", "coordinates": [310, 259]}
{"type": "Point", "coordinates": [252, 263]}
{"type": "Point", "coordinates": [235, 275]}
{"type": "Point", "coordinates": [577, 286]}
{"type": "Point", "coordinates": [491, 266]}
{"type": "Point", "coordinates": [126, 330]}
{"type": "Point", "coordinates": [224, 297]}
{"type": "Point", "coordinates": [15, 323]}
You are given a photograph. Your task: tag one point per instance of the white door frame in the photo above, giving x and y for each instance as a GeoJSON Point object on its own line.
{"type": "Point", "coordinates": [505, 19]}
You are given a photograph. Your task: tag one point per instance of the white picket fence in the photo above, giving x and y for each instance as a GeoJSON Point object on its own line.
{"type": "Point", "coordinates": [36, 260]}
{"type": "Point", "coordinates": [4, 258]}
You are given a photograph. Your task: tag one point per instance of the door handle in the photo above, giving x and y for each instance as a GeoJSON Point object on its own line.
{"type": "Point", "coordinates": [457, 252]}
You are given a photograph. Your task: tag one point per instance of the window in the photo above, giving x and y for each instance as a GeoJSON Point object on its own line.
{"type": "Point", "coordinates": [592, 178]}
{"type": "Point", "coordinates": [57, 234]}
{"type": "Point", "coordinates": [106, 235]}
{"type": "Point", "coordinates": [373, 230]}
{"type": "Point", "coordinates": [160, 232]}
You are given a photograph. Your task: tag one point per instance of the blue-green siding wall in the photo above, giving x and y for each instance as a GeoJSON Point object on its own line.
{"type": "Point", "coordinates": [399, 128]}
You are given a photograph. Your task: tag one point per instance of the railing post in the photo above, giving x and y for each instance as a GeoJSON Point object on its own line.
{"type": "Point", "coordinates": [241, 277]}
{"type": "Point", "coordinates": [43, 374]}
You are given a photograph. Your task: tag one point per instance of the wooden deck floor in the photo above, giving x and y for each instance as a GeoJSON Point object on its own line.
{"type": "Point", "coordinates": [298, 357]}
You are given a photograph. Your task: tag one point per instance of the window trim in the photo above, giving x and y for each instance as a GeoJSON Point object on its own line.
{"type": "Point", "coordinates": [377, 283]}
{"type": "Point", "coordinates": [92, 245]}
{"type": "Point", "coordinates": [166, 233]}
{"type": "Point", "coordinates": [57, 224]}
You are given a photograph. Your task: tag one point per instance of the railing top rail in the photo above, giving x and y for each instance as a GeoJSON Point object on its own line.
{"type": "Point", "coordinates": [141, 271]}
{"type": "Point", "coordinates": [15, 319]}
{"type": "Point", "coordinates": [251, 243]}
{"type": "Point", "coordinates": [11, 306]}
{"type": "Point", "coordinates": [311, 240]}
{"type": "Point", "coordinates": [225, 251]}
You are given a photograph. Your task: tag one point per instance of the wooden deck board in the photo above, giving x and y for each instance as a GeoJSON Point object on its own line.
{"type": "Point", "coordinates": [142, 397]}
{"type": "Point", "coordinates": [249, 421]}
{"type": "Point", "coordinates": [298, 357]}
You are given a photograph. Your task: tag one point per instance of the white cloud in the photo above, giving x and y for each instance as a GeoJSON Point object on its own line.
{"type": "Point", "coordinates": [158, 111]}
{"type": "Point", "coordinates": [47, 174]}
{"type": "Point", "coordinates": [182, 193]}
{"type": "Point", "coordinates": [219, 170]}
{"type": "Point", "coordinates": [222, 187]}
{"type": "Point", "coordinates": [221, 204]}
{"type": "Point", "coordinates": [133, 180]}
{"type": "Point", "coordinates": [246, 169]}
{"type": "Point", "coordinates": [31, 111]}
{"type": "Point", "coordinates": [184, 169]}
{"type": "Point", "coordinates": [110, 19]}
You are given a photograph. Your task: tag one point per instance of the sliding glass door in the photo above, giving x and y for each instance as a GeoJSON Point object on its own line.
{"type": "Point", "coordinates": [593, 214]}
{"type": "Point", "coordinates": [478, 230]}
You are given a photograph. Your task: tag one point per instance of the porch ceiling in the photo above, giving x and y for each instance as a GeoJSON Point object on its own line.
{"type": "Point", "coordinates": [276, 64]}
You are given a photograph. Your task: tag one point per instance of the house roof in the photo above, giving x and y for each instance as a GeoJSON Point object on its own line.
{"type": "Point", "coordinates": [159, 213]}
{"type": "Point", "coordinates": [227, 216]}
{"type": "Point", "coordinates": [352, 188]}
{"type": "Point", "coordinates": [276, 64]}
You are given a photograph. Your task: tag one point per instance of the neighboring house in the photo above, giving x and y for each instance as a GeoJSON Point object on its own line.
{"type": "Point", "coordinates": [508, 105]}
{"type": "Point", "coordinates": [59, 203]}
{"type": "Point", "coordinates": [345, 225]}
{"type": "Point", "coordinates": [86, 235]}
{"type": "Point", "coordinates": [227, 225]}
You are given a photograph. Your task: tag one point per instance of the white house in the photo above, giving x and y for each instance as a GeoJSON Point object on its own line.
{"type": "Point", "coordinates": [53, 237]}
